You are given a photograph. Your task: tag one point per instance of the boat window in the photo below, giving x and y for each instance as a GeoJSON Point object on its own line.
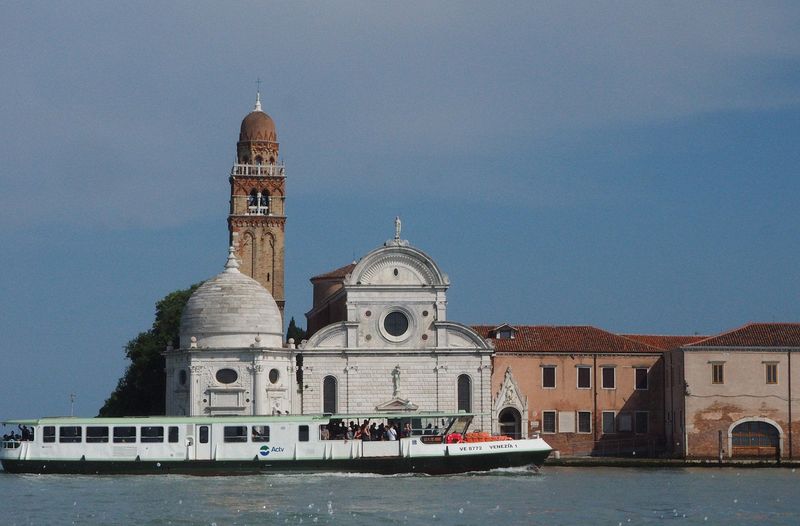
{"type": "Point", "coordinates": [260, 434]}
{"type": "Point", "coordinates": [49, 434]}
{"type": "Point", "coordinates": [302, 433]}
{"type": "Point", "coordinates": [459, 425]}
{"type": "Point", "coordinates": [70, 434]}
{"type": "Point", "coordinates": [124, 434]}
{"type": "Point", "coordinates": [204, 434]}
{"type": "Point", "coordinates": [173, 434]}
{"type": "Point", "coordinates": [152, 434]}
{"type": "Point", "coordinates": [96, 434]}
{"type": "Point", "coordinates": [235, 434]}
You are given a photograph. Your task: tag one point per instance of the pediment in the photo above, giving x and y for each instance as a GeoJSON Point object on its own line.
{"type": "Point", "coordinates": [396, 404]}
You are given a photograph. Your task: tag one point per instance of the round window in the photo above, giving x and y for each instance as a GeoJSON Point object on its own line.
{"type": "Point", "coordinates": [395, 323]}
{"type": "Point", "coordinates": [227, 376]}
{"type": "Point", "coordinates": [274, 375]}
{"type": "Point", "coordinates": [182, 377]}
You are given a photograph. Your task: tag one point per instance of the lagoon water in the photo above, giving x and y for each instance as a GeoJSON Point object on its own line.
{"type": "Point", "coordinates": [556, 495]}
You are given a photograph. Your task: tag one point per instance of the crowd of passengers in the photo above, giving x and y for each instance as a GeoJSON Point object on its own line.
{"type": "Point", "coordinates": [338, 430]}
{"type": "Point", "coordinates": [25, 433]}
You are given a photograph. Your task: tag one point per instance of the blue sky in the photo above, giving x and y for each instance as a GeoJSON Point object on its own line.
{"type": "Point", "coordinates": [632, 166]}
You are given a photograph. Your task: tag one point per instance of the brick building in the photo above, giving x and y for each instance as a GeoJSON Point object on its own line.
{"type": "Point", "coordinates": [738, 393]}
{"type": "Point", "coordinates": [584, 389]}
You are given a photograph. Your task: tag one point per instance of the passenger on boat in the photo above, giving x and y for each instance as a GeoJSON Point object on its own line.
{"type": "Point", "coordinates": [373, 432]}
{"type": "Point", "coordinates": [407, 430]}
{"type": "Point", "coordinates": [391, 434]}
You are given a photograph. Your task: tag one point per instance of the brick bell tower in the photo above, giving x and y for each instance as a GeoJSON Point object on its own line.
{"type": "Point", "coordinates": [258, 216]}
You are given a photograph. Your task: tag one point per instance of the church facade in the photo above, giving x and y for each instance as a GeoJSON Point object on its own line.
{"type": "Point", "coordinates": [381, 340]}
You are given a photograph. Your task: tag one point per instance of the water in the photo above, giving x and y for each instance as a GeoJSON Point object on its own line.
{"type": "Point", "coordinates": [615, 496]}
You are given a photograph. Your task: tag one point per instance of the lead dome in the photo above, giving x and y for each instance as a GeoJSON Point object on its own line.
{"type": "Point", "coordinates": [231, 310]}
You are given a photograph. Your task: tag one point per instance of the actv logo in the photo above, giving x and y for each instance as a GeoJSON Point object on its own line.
{"type": "Point", "coordinates": [264, 451]}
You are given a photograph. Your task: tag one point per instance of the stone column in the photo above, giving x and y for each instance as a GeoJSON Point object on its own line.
{"type": "Point", "coordinates": [259, 405]}
{"type": "Point", "coordinates": [194, 390]}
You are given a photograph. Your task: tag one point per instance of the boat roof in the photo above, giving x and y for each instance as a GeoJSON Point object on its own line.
{"type": "Point", "coordinates": [234, 419]}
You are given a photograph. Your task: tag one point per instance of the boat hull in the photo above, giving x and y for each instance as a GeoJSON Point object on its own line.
{"type": "Point", "coordinates": [382, 465]}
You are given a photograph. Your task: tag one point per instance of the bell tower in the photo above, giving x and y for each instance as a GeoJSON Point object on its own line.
{"type": "Point", "coordinates": [257, 215]}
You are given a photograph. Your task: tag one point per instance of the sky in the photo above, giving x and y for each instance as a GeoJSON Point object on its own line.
{"type": "Point", "coordinates": [627, 165]}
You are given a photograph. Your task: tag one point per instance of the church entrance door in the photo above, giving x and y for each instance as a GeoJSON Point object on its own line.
{"type": "Point", "coordinates": [510, 423]}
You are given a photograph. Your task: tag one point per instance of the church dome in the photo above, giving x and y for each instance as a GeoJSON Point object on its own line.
{"type": "Point", "coordinates": [231, 310]}
{"type": "Point", "coordinates": [258, 126]}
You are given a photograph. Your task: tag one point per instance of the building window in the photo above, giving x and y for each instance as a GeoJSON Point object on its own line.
{"type": "Point", "coordinates": [584, 377]}
{"type": "Point", "coordinates": [624, 423]}
{"type": "Point", "coordinates": [227, 376]}
{"type": "Point", "coordinates": [505, 334]}
{"type": "Point", "coordinates": [584, 422]}
{"type": "Point", "coordinates": [464, 393]}
{"type": "Point", "coordinates": [772, 372]}
{"type": "Point", "coordinates": [549, 376]}
{"type": "Point", "coordinates": [329, 395]}
{"type": "Point", "coordinates": [396, 323]}
{"type": "Point", "coordinates": [608, 422]}
{"type": "Point", "coordinates": [641, 378]}
{"type": "Point", "coordinates": [717, 373]}
{"type": "Point", "coordinates": [609, 378]}
{"type": "Point", "coordinates": [260, 434]}
{"type": "Point", "coordinates": [182, 377]}
{"type": "Point", "coordinates": [274, 376]}
{"type": "Point", "coordinates": [642, 422]}
{"type": "Point", "coordinates": [548, 421]}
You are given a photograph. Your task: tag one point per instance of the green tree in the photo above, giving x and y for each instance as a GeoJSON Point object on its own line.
{"type": "Point", "coordinates": [142, 389]}
{"type": "Point", "coordinates": [295, 332]}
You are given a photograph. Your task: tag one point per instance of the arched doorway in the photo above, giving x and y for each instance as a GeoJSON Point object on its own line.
{"type": "Point", "coordinates": [510, 423]}
{"type": "Point", "coordinates": [755, 438]}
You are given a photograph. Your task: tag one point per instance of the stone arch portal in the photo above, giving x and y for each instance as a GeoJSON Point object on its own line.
{"type": "Point", "coordinates": [510, 423]}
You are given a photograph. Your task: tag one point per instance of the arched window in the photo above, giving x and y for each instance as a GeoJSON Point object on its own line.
{"type": "Point", "coordinates": [259, 159]}
{"type": "Point", "coordinates": [252, 199]}
{"type": "Point", "coordinates": [755, 439]}
{"type": "Point", "coordinates": [329, 395]}
{"type": "Point", "coordinates": [263, 203]}
{"type": "Point", "coordinates": [464, 393]}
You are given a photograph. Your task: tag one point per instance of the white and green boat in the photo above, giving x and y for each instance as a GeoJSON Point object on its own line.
{"type": "Point", "coordinates": [243, 445]}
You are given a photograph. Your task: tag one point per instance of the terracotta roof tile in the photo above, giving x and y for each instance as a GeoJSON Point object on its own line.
{"type": "Point", "coordinates": [564, 339]}
{"type": "Point", "coordinates": [339, 273]}
{"type": "Point", "coordinates": [664, 342]}
{"type": "Point", "coordinates": [756, 335]}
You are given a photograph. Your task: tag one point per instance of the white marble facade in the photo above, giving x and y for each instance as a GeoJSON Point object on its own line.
{"type": "Point", "coordinates": [396, 350]}
{"type": "Point", "coordinates": [231, 359]}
